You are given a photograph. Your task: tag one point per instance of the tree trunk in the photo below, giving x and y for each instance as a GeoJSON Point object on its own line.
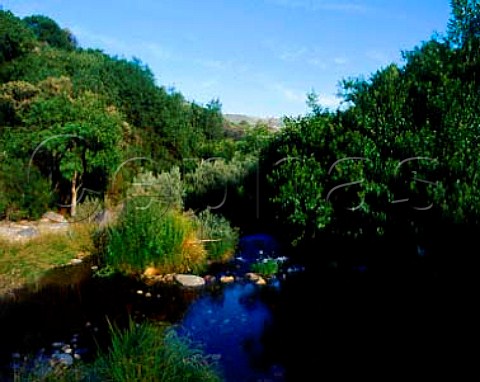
{"type": "Point", "coordinates": [73, 204]}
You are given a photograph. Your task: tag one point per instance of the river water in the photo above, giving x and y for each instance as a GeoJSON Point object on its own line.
{"type": "Point", "coordinates": [67, 310]}
{"type": "Point", "coordinates": [304, 322]}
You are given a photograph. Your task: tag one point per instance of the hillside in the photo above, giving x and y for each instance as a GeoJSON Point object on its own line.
{"type": "Point", "coordinates": [96, 109]}
{"type": "Point", "coordinates": [252, 120]}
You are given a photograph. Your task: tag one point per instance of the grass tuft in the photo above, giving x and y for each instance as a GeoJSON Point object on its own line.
{"type": "Point", "coordinates": [149, 352]}
{"type": "Point", "coordinates": [154, 237]}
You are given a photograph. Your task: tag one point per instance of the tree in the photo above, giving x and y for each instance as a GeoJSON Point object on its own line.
{"type": "Point", "coordinates": [464, 23]}
{"type": "Point", "coordinates": [70, 138]}
{"type": "Point", "coordinates": [15, 38]}
{"type": "Point", "coordinates": [48, 31]}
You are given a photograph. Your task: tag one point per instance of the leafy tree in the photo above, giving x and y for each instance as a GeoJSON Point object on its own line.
{"type": "Point", "coordinates": [213, 123]}
{"type": "Point", "coordinates": [47, 30]}
{"type": "Point", "coordinates": [69, 138]}
{"type": "Point", "coordinates": [400, 159]}
{"type": "Point", "coordinates": [464, 23]}
{"type": "Point", "coordinates": [15, 38]}
{"type": "Point", "coordinates": [51, 88]}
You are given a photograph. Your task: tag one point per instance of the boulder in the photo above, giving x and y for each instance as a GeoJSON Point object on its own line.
{"type": "Point", "coordinates": [189, 281]}
{"type": "Point", "coordinates": [53, 217]}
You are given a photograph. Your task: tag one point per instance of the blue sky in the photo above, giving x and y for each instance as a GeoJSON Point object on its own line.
{"type": "Point", "coordinates": [259, 57]}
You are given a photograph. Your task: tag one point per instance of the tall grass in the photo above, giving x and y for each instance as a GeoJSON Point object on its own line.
{"type": "Point", "coordinates": [148, 352]}
{"type": "Point", "coordinates": [148, 235]}
{"type": "Point", "coordinates": [142, 353]}
{"type": "Point", "coordinates": [219, 237]}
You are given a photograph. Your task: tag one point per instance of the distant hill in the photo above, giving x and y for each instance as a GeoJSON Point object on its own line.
{"type": "Point", "coordinates": [251, 120]}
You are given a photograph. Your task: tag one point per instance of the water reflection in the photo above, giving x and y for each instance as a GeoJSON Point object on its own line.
{"type": "Point", "coordinates": [231, 324]}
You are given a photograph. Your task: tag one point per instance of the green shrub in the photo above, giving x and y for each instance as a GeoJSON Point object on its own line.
{"type": "Point", "coordinates": [148, 352]}
{"type": "Point", "coordinates": [152, 236]}
{"type": "Point", "coordinates": [166, 188]}
{"type": "Point", "coordinates": [265, 267]}
{"type": "Point", "coordinates": [143, 352]}
{"type": "Point", "coordinates": [214, 174]}
{"type": "Point", "coordinates": [24, 193]}
{"type": "Point", "coordinates": [88, 208]}
{"type": "Point", "coordinates": [218, 236]}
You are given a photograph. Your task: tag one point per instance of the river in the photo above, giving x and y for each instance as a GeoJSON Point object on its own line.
{"type": "Point", "coordinates": [302, 322]}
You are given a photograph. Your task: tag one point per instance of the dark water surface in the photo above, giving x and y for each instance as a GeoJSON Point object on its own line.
{"type": "Point", "coordinates": [69, 308]}
{"type": "Point", "coordinates": [231, 325]}
{"type": "Point", "coordinates": [319, 322]}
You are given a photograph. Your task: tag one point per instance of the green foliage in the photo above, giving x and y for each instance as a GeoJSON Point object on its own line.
{"type": "Point", "coordinates": [464, 23]}
{"type": "Point", "coordinates": [213, 121]}
{"type": "Point", "coordinates": [165, 189]}
{"type": "Point", "coordinates": [220, 238]}
{"type": "Point", "coordinates": [151, 235]}
{"type": "Point", "coordinates": [254, 139]}
{"type": "Point", "coordinates": [108, 109]}
{"type": "Point", "coordinates": [15, 38]}
{"type": "Point", "coordinates": [88, 207]}
{"type": "Point", "coordinates": [47, 30]}
{"type": "Point", "coordinates": [208, 184]}
{"type": "Point", "coordinates": [142, 352]}
{"type": "Point", "coordinates": [147, 352]}
{"type": "Point", "coordinates": [265, 267]}
{"type": "Point", "coordinates": [23, 191]}
{"type": "Point", "coordinates": [401, 155]}
{"type": "Point", "coordinates": [297, 165]}
{"type": "Point", "coordinates": [164, 124]}
{"type": "Point", "coordinates": [70, 138]}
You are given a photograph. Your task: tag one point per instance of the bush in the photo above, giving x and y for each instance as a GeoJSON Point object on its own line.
{"type": "Point", "coordinates": [152, 236]}
{"type": "Point", "coordinates": [218, 236]}
{"type": "Point", "coordinates": [87, 209]}
{"type": "Point", "coordinates": [24, 193]}
{"type": "Point", "coordinates": [214, 175]}
{"type": "Point", "coordinates": [265, 267]}
{"type": "Point", "coordinates": [148, 352]}
{"type": "Point", "coordinates": [165, 188]}
{"type": "Point", "coordinates": [142, 352]}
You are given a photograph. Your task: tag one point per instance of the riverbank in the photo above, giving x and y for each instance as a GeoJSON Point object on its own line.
{"type": "Point", "coordinates": [30, 249]}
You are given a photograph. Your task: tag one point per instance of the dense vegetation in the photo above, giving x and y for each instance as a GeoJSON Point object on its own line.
{"type": "Point", "coordinates": [399, 160]}
{"type": "Point", "coordinates": [397, 164]}
{"type": "Point", "coordinates": [81, 131]}
{"type": "Point", "coordinates": [398, 157]}
{"type": "Point", "coordinates": [70, 116]}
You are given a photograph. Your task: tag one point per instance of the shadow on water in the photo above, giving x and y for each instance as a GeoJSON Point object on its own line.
{"type": "Point", "coordinates": [391, 308]}
{"type": "Point", "coordinates": [360, 313]}
{"type": "Point", "coordinates": [69, 307]}
{"type": "Point", "coordinates": [230, 324]}
{"type": "Point", "coordinates": [252, 245]}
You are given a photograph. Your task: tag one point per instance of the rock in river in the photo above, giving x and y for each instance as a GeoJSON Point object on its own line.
{"type": "Point", "coordinates": [189, 281]}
